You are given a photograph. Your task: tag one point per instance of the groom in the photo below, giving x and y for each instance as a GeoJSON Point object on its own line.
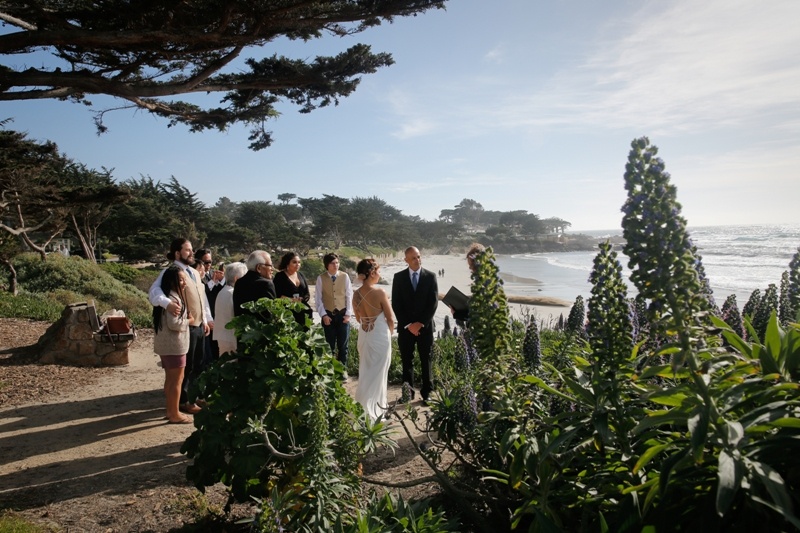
{"type": "Point", "coordinates": [415, 296]}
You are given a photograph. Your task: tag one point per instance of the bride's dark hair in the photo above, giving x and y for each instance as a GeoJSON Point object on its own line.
{"type": "Point", "coordinates": [365, 267]}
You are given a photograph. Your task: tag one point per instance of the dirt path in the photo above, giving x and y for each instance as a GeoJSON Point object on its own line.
{"type": "Point", "coordinates": [97, 455]}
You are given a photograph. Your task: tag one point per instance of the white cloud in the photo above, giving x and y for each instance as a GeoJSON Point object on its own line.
{"type": "Point", "coordinates": [668, 68]}
{"type": "Point", "coordinates": [496, 54]}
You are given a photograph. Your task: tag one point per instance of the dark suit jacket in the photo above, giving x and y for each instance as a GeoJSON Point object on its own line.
{"type": "Point", "coordinates": [211, 294]}
{"type": "Point", "coordinates": [410, 306]}
{"type": "Point", "coordinates": [249, 288]}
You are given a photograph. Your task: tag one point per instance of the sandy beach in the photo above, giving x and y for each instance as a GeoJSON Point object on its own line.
{"type": "Point", "coordinates": [456, 274]}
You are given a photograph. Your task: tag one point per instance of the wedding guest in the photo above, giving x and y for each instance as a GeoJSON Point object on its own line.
{"type": "Point", "coordinates": [182, 255]}
{"type": "Point", "coordinates": [255, 284]}
{"type": "Point", "coordinates": [171, 341]}
{"type": "Point", "coordinates": [290, 283]}
{"type": "Point", "coordinates": [226, 339]}
{"type": "Point", "coordinates": [333, 298]}
{"type": "Point", "coordinates": [212, 283]}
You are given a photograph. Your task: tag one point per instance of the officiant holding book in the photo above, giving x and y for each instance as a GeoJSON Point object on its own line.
{"type": "Point", "coordinates": [457, 300]}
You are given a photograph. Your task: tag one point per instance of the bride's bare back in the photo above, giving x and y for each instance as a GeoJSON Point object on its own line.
{"type": "Point", "coordinates": [368, 303]}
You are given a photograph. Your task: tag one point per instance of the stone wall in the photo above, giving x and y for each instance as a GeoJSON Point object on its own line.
{"type": "Point", "coordinates": [77, 339]}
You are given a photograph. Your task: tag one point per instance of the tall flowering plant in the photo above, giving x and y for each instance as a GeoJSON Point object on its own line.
{"type": "Point", "coordinates": [610, 333]}
{"type": "Point", "coordinates": [665, 266]}
{"type": "Point", "coordinates": [793, 290]}
{"type": "Point", "coordinates": [716, 406]}
{"type": "Point", "coordinates": [489, 318]}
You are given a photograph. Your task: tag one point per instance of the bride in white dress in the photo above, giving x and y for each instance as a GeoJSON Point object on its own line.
{"type": "Point", "coordinates": [374, 313]}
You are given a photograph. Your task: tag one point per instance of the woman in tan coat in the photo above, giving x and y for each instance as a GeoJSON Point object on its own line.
{"type": "Point", "coordinates": [171, 341]}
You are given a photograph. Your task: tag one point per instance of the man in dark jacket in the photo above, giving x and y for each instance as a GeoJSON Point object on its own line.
{"type": "Point", "coordinates": [256, 284]}
{"type": "Point", "coordinates": [415, 296]}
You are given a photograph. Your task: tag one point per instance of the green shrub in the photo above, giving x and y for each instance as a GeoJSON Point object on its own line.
{"type": "Point", "coordinates": [32, 306]}
{"type": "Point", "coordinates": [311, 268]}
{"type": "Point", "coordinates": [120, 271]}
{"type": "Point", "coordinates": [11, 522]}
{"type": "Point", "coordinates": [60, 281]}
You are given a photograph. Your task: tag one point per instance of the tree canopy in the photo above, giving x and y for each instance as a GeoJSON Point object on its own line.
{"type": "Point", "coordinates": [146, 52]}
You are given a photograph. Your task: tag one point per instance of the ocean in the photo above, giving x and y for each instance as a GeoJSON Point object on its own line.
{"type": "Point", "coordinates": [737, 259]}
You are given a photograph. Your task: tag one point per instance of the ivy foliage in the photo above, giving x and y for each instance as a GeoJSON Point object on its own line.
{"type": "Point", "coordinates": [275, 411]}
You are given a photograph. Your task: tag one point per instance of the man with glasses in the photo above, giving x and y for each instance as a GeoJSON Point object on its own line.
{"type": "Point", "coordinates": [213, 281]}
{"type": "Point", "coordinates": [256, 284]}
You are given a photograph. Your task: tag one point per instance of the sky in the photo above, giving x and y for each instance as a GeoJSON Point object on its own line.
{"type": "Point", "coordinates": [516, 104]}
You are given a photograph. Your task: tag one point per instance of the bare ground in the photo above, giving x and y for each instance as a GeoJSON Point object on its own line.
{"type": "Point", "coordinates": [88, 449]}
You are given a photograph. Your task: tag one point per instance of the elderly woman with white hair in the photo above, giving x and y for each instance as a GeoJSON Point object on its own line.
{"type": "Point", "coordinates": [223, 308]}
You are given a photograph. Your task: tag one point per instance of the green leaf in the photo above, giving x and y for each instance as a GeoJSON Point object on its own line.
{"type": "Point", "coordinates": [786, 423]}
{"type": "Point", "coordinates": [672, 397]}
{"type": "Point", "coordinates": [735, 432]}
{"type": "Point", "coordinates": [698, 427]}
{"type": "Point", "coordinates": [772, 339]}
{"type": "Point", "coordinates": [517, 469]}
{"type": "Point", "coordinates": [764, 414]}
{"type": "Point", "coordinates": [733, 339]}
{"type": "Point", "coordinates": [539, 382]}
{"type": "Point", "coordinates": [660, 418]}
{"type": "Point", "coordinates": [652, 371]}
{"type": "Point", "coordinates": [774, 484]}
{"type": "Point", "coordinates": [579, 391]}
{"type": "Point", "coordinates": [729, 471]}
{"type": "Point", "coordinates": [648, 455]}
{"type": "Point", "coordinates": [667, 466]}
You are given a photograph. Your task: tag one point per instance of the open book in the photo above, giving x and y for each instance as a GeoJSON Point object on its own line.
{"type": "Point", "coordinates": [457, 300]}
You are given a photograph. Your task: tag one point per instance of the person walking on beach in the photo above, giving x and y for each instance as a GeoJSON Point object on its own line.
{"type": "Point", "coordinates": [334, 302]}
{"type": "Point", "coordinates": [373, 312]}
{"type": "Point", "coordinates": [171, 340]}
{"type": "Point", "coordinates": [415, 296]}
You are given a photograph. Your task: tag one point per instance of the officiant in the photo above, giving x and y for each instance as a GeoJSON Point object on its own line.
{"type": "Point", "coordinates": [461, 312]}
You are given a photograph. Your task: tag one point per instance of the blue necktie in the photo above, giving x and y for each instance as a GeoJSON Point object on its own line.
{"type": "Point", "coordinates": [414, 280]}
{"type": "Point", "coordinates": [333, 278]}
{"type": "Point", "coordinates": [191, 275]}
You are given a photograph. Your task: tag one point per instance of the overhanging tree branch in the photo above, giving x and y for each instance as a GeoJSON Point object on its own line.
{"type": "Point", "coordinates": [143, 52]}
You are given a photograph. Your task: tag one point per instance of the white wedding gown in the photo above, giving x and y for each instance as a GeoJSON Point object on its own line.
{"type": "Point", "coordinates": [375, 354]}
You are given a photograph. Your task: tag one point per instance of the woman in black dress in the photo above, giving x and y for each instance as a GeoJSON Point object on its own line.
{"type": "Point", "coordinates": [290, 283]}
